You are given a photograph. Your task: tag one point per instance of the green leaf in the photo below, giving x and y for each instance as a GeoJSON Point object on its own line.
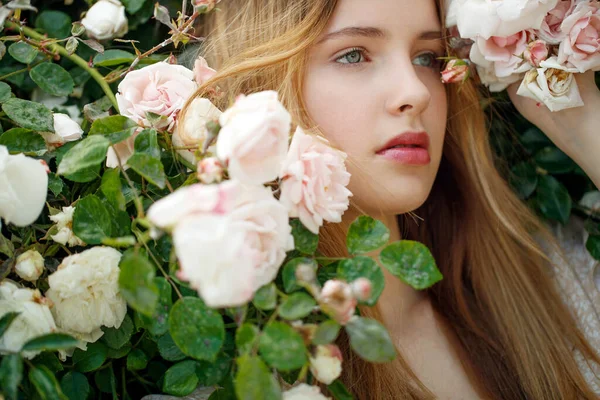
{"type": "Point", "coordinates": [168, 349]}
{"type": "Point", "coordinates": [197, 330]}
{"type": "Point", "coordinates": [553, 199]}
{"type": "Point", "coordinates": [20, 140]}
{"type": "Point", "coordinates": [113, 57]}
{"type": "Point", "coordinates": [119, 353]}
{"type": "Point", "coordinates": [111, 188]}
{"type": "Point", "coordinates": [5, 92]}
{"type": "Point", "coordinates": [534, 139]}
{"type": "Point", "coordinates": [50, 342]}
{"type": "Point", "coordinates": [6, 320]}
{"type": "Point", "coordinates": [297, 306]}
{"type": "Point", "coordinates": [115, 128]}
{"type": "Point", "coordinates": [105, 380]}
{"type": "Point", "coordinates": [133, 6]}
{"type": "Point", "coordinates": [55, 184]}
{"type": "Point", "coordinates": [412, 262]}
{"type": "Point", "coordinates": [266, 297]}
{"type": "Point", "coordinates": [158, 324]}
{"type": "Point", "coordinates": [553, 160]}
{"type": "Point", "coordinates": [136, 360]}
{"type": "Point", "coordinates": [75, 385]}
{"type": "Point", "coordinates": [326, 332]}
{"type": "Point", "coordinates": [254, 381]}
{"type": "Point", "coordinates": [370, 340]}
{"type": "Point", "coordinates": [524, 179]}
{"type": "Point", "coordinates": [211, 373]}
{"type": "Point", "coordinates": [245, 337]}
{"type": "Point", "coordinates": [366, 234]}
{"type": "Point", "coordinates": [290, 282]}
{"type": "Point", "coordinates": [29, 114]}
{"type": "Point", "coordinates": [136, 281]}
{"type": "Point", "coordinates": [181, 379]}
{"type": "Point", "coordinates": [45, 383]}
{"type": "Point", "coordinates": [11, 374]}
{"type": "Point", "coordinates": [56, 24]}
{"type": "Point", "coordinates": [52, 79]}
{"type": "Point", "coordinates": [282, 347]}
{"type": "Point", "coordinates": [304, 240]}
{"type": "Point", "coordinates": [91, 220]}
{"type": "Point", "coordinates": [50, 361]}
{"type": "Point", "coordinates": [90, 152]}
{"type": "Point", "coordinates": [22, 52]}
{"type": "Point", "coordinates": [116, 338]}
{"type": "Point", "coordinates": [593, 246]}
{"type": "Point", "coordinates": [146, 158]}
{"type": "Point", "coordinates": [363, 267]}
{"type": "Point", "coordinates": [339, 391]}
{"type": "Point", "coordinates": [90, 359]}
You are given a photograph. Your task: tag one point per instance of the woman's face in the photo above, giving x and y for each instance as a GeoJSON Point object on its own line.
{"type": "Point", "coordinates": [372, 78]}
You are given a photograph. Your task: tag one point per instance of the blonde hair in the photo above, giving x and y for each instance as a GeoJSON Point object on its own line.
{"type": "Point", "coordinates": [497, 295]}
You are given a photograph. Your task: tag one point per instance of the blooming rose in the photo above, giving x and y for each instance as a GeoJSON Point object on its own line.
{"type": "Point", "coordinates": [326, 363]}
{"type": "Point", "coordinates": [314, 180]}
{"type": "Point", "coordinates": [487, 18]}
{"type": "Point", "coordinates": [24, 186]}
{"type": "Point", "coordinates": [105, 20]}
{"type": "Point", "coordinates": [503, 54]}
{"type": "Point", "coordinates": [30, 265]}
{"type": "Point", "coordinates": [160, 89]}
{"type": "Point", "coordinates": [191, 131]}
{"type": "Point", "coordinates": [253, 141]}
{"type": "Point", "coordinates": [210, 170]}
{"type": "Point", "coordinates": [581, 46]}
{"type": "Point", "coordinates": [34, 319]}
{"type": "Point", "coordinates": [552, 85]}
{"type": "Point", "coordinates": [65, 130]}
{"type": "Point", "coordinates": [85, 293]}
{"type": "Point", "coordinates": [551, 31]}
{"type": "Point", "coordinates": [64, 225]}
{"type": "Point", "coordinates": [455, 71]}
{"type": "Point", "coordinates": [202, 72]}
{"type": "Point", "coordinates": [230, 239]}
{"type": "Point", "coordinates": [337, 300]}
{"type": "Point", "coordinates": [304, 392]}
{"type": "Point", "coordinates": [121, 151]}
{"type": "Point", "coordinates": [536, 52]}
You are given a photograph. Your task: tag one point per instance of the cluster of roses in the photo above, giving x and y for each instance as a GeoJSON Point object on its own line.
{"type": "Point", "coordinates": [541, 43]}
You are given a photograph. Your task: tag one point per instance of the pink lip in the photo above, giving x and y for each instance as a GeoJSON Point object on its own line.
{"type": "Point", "coordinates": [408, 155]}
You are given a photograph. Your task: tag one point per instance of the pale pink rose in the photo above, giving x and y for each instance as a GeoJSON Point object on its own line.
{"type": "Point", "coordinates": [502, 54]}
{"type": "Point", "coordinates": [487, 18]}
{"type": "Point", "coordinates": [210, 170]}
{"type": "Point", "coordinates": [338, 301]}
{"type": "Point", "coordinates": [202, 72]}
{"type": "Point", "coordinates": [455, 71]}
{"type": "Point", "coordinates": [191, 132]}
{"type": "Point", "coordinates": [230, 239]}
{"type": "Point", "coordinates": [536, 52]}
{"type": "Point", "coordinates": [121, 151]}
{"type": "Point", "coordinates": [253, 140]}
{"type": "Point", "coordinates": [304, 392]}
{"type": "Point", "coordinates": [551, 31]}
{"type": "Point", "coordinates": [326, 363]}
{"type": "Point", "coordinates": [160, 89]}
{"type": "Point", "coordinates": [581, 47]}
{"type": "Point", "coordinates": [314, 180]}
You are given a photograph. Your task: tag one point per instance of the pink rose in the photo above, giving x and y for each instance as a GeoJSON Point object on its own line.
{"type": "Point", "coordinates": [160, 89]}
{"type": "Point", "coordinates": [338, 301]}
{"type": "Point", "coordinates": [551, 31]}
{"type": "Point", "coordinates": [191, 133]}
{"type": "Point", "coordinates": [314, 180]}
{"type": "Point", "coordinates": [121, 151]}
{"type": "Point", "coordinates": [202, 72]}
{"type": "Point", "coordinates": [230, 239]}
{"type": "Point", "coordinates": [581, 47]}
{"type": "Point", "coordinates": [503, 54]}
{"type": "Point", "coordinates": [536, 52]}
{"type": "Point", "coordinates": [455, 71]}
{"type": "Point", "coordinates": [253, 140]}
{"type": "Point", "coordinates": [210, 170]}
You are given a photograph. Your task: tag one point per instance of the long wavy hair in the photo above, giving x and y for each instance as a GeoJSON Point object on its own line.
{"type": "Point", "coordinates": [498, 295]}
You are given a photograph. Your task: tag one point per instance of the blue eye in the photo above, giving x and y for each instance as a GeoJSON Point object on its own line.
{"type": "Point", "coordinates": [353, 56]}
{"type": "Point", "coordinates": [428, 60]}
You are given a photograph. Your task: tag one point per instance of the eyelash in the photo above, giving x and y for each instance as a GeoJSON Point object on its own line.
{"type": "Point", "coordinates": [436, 64]}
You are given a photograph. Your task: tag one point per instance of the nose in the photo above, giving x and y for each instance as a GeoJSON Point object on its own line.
{"type": "Point", "coordinates": [408, 94]}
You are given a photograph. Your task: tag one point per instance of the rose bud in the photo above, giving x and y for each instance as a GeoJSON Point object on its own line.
{"type": "Point", "coordinates": [326, 364]}
{"type": "Point", "coordinates": [361, 289]}
{"type": "Point", "coordinates": [337, 300]}
{"type": "Point", "coordinates": [210, 170]}
{"type": "Point", "coordinates": [456, 70]}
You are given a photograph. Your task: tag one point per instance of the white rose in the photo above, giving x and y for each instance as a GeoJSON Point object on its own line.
{"type": "Point", "coordinates": [64, 224]}
{"type": "Point", "coordinates": [488, 18]}
{"type": "Point", "coordinates": [254, 138]}
{"type": "Point", "coordinates": [304, 392]}
{"type": "Point", "coordinates": [192, 132]}
{"type": "Point", "coordinates": [65, 130]}
{"type": "Point", "coordinates": [105, 20]}
{"type": "Point", "coordinates": [85, 293]}
{"type": "Point", "coordinates": [35, 318]}
{"type": "Point", "coordinates": [326, 364]}
{"type": "Point", "coordinates": [552, 84]}
{"type": "Point", "coordinates": [24, 186]}
{"type": "Point", "coordinates": [30, 265]}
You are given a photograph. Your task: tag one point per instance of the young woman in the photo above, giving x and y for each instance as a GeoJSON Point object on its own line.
{"type": "Point", "coordinates": [365, 75]}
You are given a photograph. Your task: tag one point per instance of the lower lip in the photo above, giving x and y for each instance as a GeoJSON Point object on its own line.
{"type": "Point", "coordinates": [407, 155]}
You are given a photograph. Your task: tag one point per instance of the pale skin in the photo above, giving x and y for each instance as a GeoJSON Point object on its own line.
{"type": "Point", "coordinates": [373, 76]}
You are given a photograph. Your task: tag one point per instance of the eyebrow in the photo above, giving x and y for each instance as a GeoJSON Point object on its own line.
{"type": "Point", "coordinates": [372, 32]}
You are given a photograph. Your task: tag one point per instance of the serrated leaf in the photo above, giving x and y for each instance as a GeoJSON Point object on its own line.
{"type": "Point", "coordinates": [136, 281]}
{"type": "Point", "coordinates": [366, 234]}
{"type": "Point", "coordinates": [265, 298]}
{"type": "Point", "coordinates": [412, 262]}
{"type": "Point", "coordinates": [90, 359]}
{"type": "Point", "coordinates": [75, 385]}
{"type": "Point", "coordinates": [91, 220]}
{"type": "Point", "coordinates": [296, 306]}
{"type": "Point", "coordinates": [29, 114]}
{"type": "Point", "coordinates": [370, 340]}
{"type": "Point", "coordinates": [115, 128]}
{"type": "Point", "coordinates": [254, 381]}
{"type": "Point", "coordinates": [282, 347]}
{"type": "Point", "coordinates": [180, 379]}
{"type": "Point", "coordinates": [22, 52]}
{"type": "Point", "coordinates": [21, 140]}
{"type": "Point", "coordinates": [90, 152]}
{"type": "Point", "coordinates": [52, 79]}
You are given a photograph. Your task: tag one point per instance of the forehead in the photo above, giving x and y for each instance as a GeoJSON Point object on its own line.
{"type": "Point", "coordinates": [395, 16]}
